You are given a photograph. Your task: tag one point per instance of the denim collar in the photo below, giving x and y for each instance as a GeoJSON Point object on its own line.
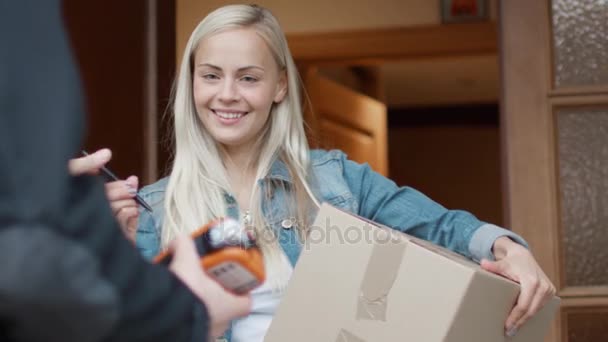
{"type": "Point", "coordinates": [279, 171]}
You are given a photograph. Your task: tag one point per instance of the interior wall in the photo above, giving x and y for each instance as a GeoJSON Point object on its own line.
{"type": "Point", "coordinates": [319, 15]}
{"type": "Point", "coordinates": [322, 15]}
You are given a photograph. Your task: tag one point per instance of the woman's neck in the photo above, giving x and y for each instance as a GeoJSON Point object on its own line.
{"type": "Point", "coordinates": [241, 170]}
{"type": "Point", "coordinates": [239, 157]}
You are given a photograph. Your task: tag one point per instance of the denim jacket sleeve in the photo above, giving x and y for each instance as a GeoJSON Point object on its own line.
{"type": "Point", "coordinates": [406, 209]}
{"type": "Point", "coordinates": [147, 237]}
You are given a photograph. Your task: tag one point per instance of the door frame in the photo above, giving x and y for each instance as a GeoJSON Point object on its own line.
{"type": "Point", "coordinates": [530, 145]}
{"type": "Point", "coordinates": [376, 46]}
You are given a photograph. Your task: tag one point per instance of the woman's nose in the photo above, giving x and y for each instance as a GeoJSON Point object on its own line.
{"type": "Point", "coordinates": [228, 92]}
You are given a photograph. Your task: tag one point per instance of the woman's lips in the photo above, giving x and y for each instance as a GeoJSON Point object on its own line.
{"type": "Point", "coordinates": [229, 116]}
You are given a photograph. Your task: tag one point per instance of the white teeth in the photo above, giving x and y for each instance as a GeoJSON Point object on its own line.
{"type": "Point", "coordinates": [228, 115]}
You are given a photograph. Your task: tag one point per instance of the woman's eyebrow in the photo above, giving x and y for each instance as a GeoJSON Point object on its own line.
{"type": "Point", "coordinates": [208, 65]}
{"type": "Point", "coordinates": [244, 68]}
{"type": "Point", "coordinates": [250, 67]}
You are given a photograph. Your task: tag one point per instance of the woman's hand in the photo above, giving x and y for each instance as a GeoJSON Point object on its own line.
{"type": "Point", "coordinates": [120, 193]}
{"type": "Point", "coordinates": [517, 263]}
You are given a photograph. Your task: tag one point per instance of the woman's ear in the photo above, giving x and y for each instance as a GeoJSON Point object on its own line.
{"type": "Point", "coordinates": [281, 88]}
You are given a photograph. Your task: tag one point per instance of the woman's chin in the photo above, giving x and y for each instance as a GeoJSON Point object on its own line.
{"type": "Point", "coordinates": [233, 143]}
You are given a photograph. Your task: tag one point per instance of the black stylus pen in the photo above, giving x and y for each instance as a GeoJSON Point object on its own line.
{"type": "Point", "coordinates": [112, 176]}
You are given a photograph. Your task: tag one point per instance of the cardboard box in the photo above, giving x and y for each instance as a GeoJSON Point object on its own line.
{"type": "Point", "coordinates": [356, 281]}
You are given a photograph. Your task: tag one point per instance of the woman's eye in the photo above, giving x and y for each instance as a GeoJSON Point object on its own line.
{"type": "Point", "coordinates": [249, 79]}
{"type": "Point", "coordinates": [210, 76]}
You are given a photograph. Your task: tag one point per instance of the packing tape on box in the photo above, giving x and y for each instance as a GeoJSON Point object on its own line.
{"type": "Point", "coordinates": [381, 272]}
{"type": "Point", "coordinates": [346, 336]}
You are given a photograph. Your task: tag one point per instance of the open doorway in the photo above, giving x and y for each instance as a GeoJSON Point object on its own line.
{"type": "Point", "coordinates": [444, 130]}
{"type": "Point", "coordinates": [443, 126]}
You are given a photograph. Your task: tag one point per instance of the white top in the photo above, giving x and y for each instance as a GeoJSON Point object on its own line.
{"type": "Point", "coordinates": [253, 327]}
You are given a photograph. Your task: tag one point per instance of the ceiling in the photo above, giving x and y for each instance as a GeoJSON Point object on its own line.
{"type": "Point", "coordinates": [445, 81]}
{"type": "Point", "coordinates": [431, 82]}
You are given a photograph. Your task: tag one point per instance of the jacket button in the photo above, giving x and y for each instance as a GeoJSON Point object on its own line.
{"type": "Point", "coordinates": [287, 223]}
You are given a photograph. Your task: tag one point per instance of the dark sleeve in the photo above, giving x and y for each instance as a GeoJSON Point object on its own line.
{"type": "Point", "coordinates": [67, 272]}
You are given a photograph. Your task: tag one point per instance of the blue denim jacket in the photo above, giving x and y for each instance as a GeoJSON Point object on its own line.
{"type": "Point", "coordinates": [357, 189]}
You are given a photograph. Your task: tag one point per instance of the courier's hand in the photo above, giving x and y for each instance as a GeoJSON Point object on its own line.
{"type": "Point", "coordinates": [517, 263]}
{"type": "Point", "coordinates": [89, 164]}
{"type": "Point", "coordinates": [119, 193]}
{"type": "Point", "coordinates": [222, 306]}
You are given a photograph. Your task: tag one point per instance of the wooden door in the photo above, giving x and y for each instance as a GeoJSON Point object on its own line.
{"type": "Point", "coordinates": [555, 133]}
{"type": "Point", "coordinates": [345, 119]}
{"type": "Point", "coordinates": [127, 70]}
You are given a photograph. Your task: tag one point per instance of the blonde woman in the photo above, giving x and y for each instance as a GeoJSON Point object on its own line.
{"type": "Point", "coordinates": [240, 150]}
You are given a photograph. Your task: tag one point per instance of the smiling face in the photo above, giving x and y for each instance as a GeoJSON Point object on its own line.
{"type": "Point", "coordinates": [235, 82]}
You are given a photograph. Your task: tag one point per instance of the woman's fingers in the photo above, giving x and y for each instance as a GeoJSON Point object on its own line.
{"type": "Point", "coordinates": [120, 195]}
{"type": "Point", "coordinates": [119, 190]}
{"type": "Point", "coordinates": [127, 218]}
{"type": "Point", "coordinates": [119, 205]}
{"type": "Point", "coordinates": [518, 264]}
{"type": "Point", "coordinates": [543, 291]}
{"type": "Point", "coordinates": [522, 307]}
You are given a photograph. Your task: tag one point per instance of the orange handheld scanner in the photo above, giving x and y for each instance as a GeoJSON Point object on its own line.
{"type": "Point", "coordinates": [229, 254]}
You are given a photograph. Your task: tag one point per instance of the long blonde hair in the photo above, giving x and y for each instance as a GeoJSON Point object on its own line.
{"type": "Point", "coordinates": [197, 186]}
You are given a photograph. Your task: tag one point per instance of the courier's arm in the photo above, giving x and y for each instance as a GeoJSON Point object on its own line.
{"type": "Point", "coordinates": [67, 272]}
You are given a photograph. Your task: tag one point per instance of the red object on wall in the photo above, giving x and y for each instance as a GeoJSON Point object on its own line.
{"type": "Point", "coordinates": [463, 7]}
